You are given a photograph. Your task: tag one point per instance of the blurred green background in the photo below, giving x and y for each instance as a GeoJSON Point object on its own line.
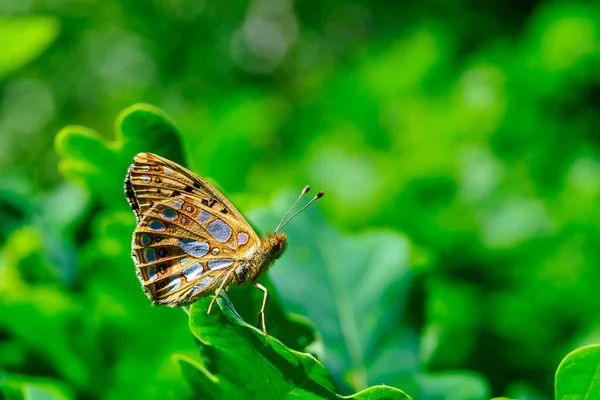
{"type": "Point", "coordinates": [455, 254]}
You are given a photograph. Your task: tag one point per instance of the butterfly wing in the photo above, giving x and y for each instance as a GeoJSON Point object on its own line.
{"type": "Point", "coordinates": [183, 250]}
{"type": "Point", "coordinates": [152, 178]}
{"type": "Point", "coordinates": [188, 235]}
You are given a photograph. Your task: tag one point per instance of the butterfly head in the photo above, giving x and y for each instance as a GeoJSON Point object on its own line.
{"type": "Point", "coordinates": [271, 248]}
{"type": "Point", "coordinates": [275, 244]}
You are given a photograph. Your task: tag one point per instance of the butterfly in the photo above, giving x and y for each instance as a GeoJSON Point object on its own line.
{"type": "Point", "coordinates": [190, 241]}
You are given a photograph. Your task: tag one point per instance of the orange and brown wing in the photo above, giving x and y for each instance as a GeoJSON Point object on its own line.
{"type": "Point", "coordinates": [183, 249]}
{"type": "Point", "coordinates": [152, 178]}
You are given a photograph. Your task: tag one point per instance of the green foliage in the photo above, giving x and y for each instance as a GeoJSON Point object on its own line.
{"type": "Point", "coordinates": [97, 164]}
{"type": "Point", "coordinates": [354, 294]}
{"type": "Point", "coordinates": [24, 39]}
{"type": "Point", "coordinates": [456, 142]}
{"type": "Point", "coordinates": [577, 375]}
{"type": "Point", "coordinates": [85, 155]}
{"type": "Point", "coordinates": [16, 387]}
{"type": "Point", "coordinates": [239, 361]}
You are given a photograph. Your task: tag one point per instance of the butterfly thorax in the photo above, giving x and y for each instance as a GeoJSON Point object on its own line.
{"type": "Point", "coordinates": [271, 248]}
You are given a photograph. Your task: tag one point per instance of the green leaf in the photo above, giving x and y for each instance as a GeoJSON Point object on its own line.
{"type": "Point", "coordinates": [296, 331]}
{"type": "Point", "coordinates": [578, 375]}
{"type": "Point", "coordinates": [19, 387]}
{"type": "Point", "coordinates": [353, 288]}
{"type": "Point", "coordinates": [240, 362]}
{"type": "Point", "coordinates": [378, 392]}
{"type": "Point", "coordinates": [23, 39]}
{"type": "Point", "coordinates": [453, 385]}
{"type": "Point", "coordinates": [100, 165]}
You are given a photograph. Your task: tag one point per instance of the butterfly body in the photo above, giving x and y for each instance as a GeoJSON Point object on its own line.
{"type": "Point", "coordinates": [190, 241]}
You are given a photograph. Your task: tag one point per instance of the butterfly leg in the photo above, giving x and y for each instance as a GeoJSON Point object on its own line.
{"type": "Point", "coordinates": [264, 304]}
{"type": "Point", "coordinates": [219, 290]}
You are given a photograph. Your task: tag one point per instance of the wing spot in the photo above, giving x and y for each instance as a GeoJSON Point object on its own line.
{"type": "Point", "coordinates": [174, 283]}
{"type": "Point", "coordinates": [160, 285]}
{"type": "Point", "coordinates": [157, 225]}
{"type": "Point", "coordinates": [189, 189]}
{"type": "Point", "coordinates": [149, 255]}
{"type": "Point", "coordinates": [193, 271]}
{"type": "Point", "coordinates": [162, 252]}
{"type": "Point", "coordinates": [204, 216]}
{"type": "Point", "coordinates": [220, 230]}
{"type": "Point", "coordinates": [193, 247]}
{"type": "Point", "coordinates": [218, 264]}
{"type": "Point", "coordinates": [200, 286]}
{"type": "Point", "coordinates": [178, 204]}
{"type": "Point", "coordinates": [169, 213]}
{"type": "Point", "coordinates": [197, 185]}
{"type": "Point", "coordinates": [163, 269]}
{"type": "Point", "coordinates": [151, 273]}
{"type": "Point", "coordinates": [210, 203]}
{"type": "Point", "coordinates": [242, 238]}
{"type": "Point", "coordinates": [145, 239]}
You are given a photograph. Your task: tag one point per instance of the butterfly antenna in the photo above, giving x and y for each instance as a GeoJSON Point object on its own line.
{"type": "Point", "coordinates": [304, 191]}
{"type": "Point", "coordinates": [318, 196]}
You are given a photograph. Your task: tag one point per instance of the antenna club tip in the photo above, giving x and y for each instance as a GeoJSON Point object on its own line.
{"type": "Point", "coordinates": [320, 194]}
{"type": "Point", "coordinates": [305, 190]}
